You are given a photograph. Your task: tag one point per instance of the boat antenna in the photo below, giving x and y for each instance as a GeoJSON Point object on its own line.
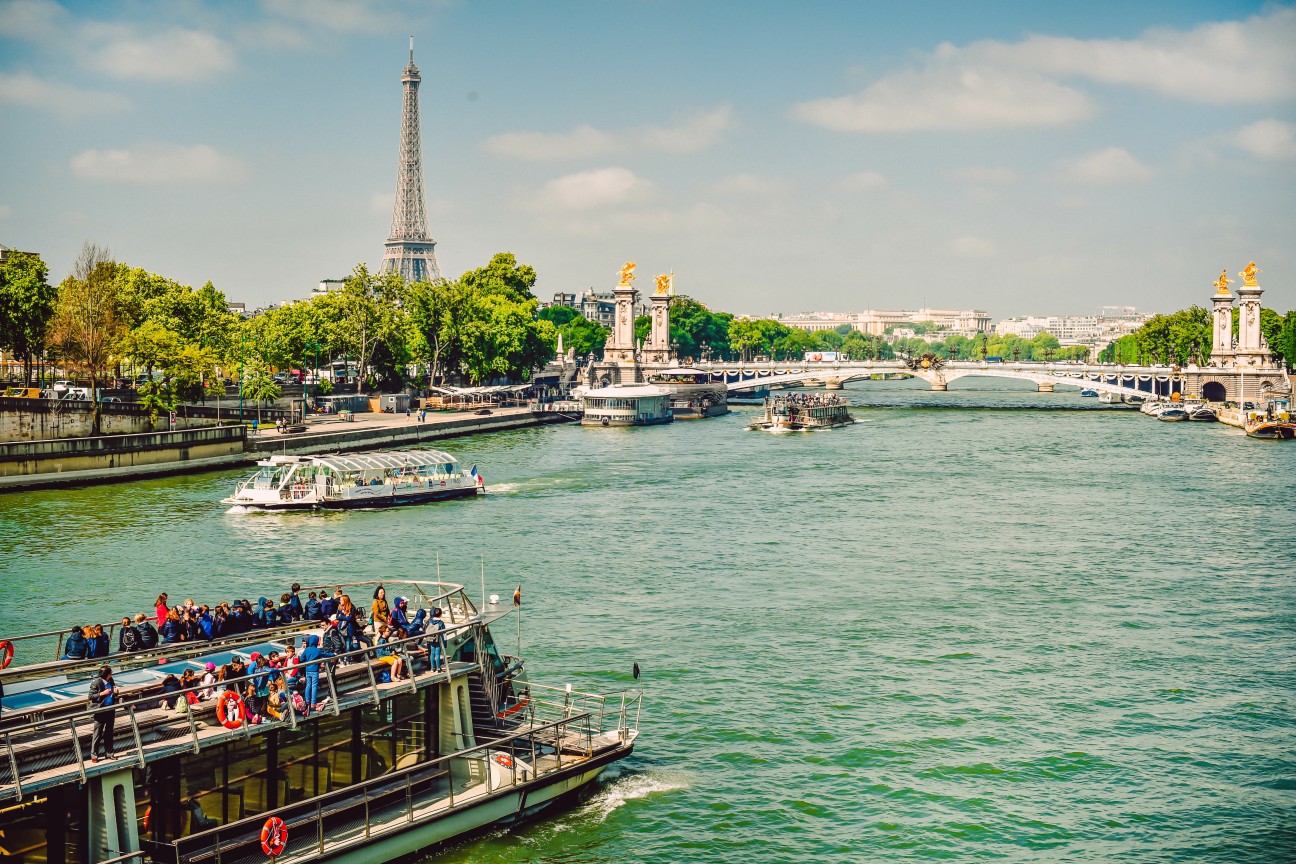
{"type": "Point", "coordinates": [483, 578]}
{"type": "Point", "coordinates": [438, 569]}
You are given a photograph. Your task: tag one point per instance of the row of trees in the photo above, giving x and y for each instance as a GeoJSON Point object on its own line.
{"type": "Point", "coordinates": [107, 318]}
{"type": "Point", "coordinates": [1187, 337]}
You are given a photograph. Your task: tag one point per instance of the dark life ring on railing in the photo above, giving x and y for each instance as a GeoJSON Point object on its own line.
{"type": "Point", "coordinates": [274, 836]}
{"type": "Point", "coordinates": [6, 653]}
{"type": "Point", "coordinates": [505, 760]}
{"type": "Point", "coordinates": [230, 711]}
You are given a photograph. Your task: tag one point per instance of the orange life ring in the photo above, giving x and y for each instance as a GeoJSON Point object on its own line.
{"type": "Point", "coordinates": [148, 813]}
{"type": "Point", "coordinates": [274, 836]}
{"type": "Point", "coordinates": [816, 357]}
{"type": "Point", "coordinates": [505, 760]}
{"type": "Point", "coordinates": [230, 719]}
{"type": "Point", "coordinates": [6, 654]}
{"type": "Point", "coordinates": [442, 482]}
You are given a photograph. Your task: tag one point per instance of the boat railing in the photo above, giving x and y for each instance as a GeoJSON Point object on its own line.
{"type": "Point", "coordinates": [369, 810]}
{"type": "Point", "coordinates": [547, 703]}
{"type": "Point", "coordinates": [131, 659]}
{"type": "Point", "coordinates": [59, 744]}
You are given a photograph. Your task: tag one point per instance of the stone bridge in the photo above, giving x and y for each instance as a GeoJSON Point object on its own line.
{"type": "Point", "coordinates": [1123, 380]}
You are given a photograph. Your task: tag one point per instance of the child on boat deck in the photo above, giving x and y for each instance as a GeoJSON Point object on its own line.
{"type": "Point", "coordinates": [385, 656]}
{"type": "Point", "coordinates": [253, 704]}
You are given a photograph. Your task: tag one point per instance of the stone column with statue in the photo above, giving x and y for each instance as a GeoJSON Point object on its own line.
{"type": "Point", "coordinates": [1251, 348]}
{"type": "Point", "coordinates": [620, 347]}
{"type": "Point", "coordinates": [1222, 319]}
{"type": "Point", "coordinates": [658, 349]}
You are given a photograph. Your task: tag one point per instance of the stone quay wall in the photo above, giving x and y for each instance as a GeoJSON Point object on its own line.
{"type": "Point", "coordinates": [41, 419]}
{"type": "Point", "coordinates": [117, 457]}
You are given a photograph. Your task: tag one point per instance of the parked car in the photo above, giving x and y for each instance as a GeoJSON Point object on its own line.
{"type": "Point", "coordinates": [141, 379]}
{"type": "Point", "coordinates": [482, 411]}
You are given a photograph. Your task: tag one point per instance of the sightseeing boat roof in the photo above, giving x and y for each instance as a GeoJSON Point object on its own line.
{"type": "Point", "coordinates": [368, 461]}
{"type": "Point", "coordinates": [627, 391]}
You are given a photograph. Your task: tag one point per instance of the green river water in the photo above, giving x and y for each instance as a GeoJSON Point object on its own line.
{"type": "Point", "coordinates": [1032, 630]}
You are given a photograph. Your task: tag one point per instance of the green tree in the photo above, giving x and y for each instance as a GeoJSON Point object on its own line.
{"type": "Point", "coordinates": [87, 324]}
{"type": "Point", "coordinates": [559, 316]}
{"type": "Point", "coordinates": [585, 336]}
{"type": "Point", "coordinates": [503, 275]}
{"type": "Point", "coordinates": [693, 325]}
{"type": "Point", "coordinates": [260, 387]}
{"type": "Point", "coordinates": [27, 303]}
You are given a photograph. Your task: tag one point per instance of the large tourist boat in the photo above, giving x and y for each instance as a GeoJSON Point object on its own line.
{"type": "Point", "coordinates": [389, 765]}
{"type": "Point", "coordinates": [801, 412]}
{"type": "Point", "coordinates": [338, 482]}
{"type": "Point", "coordinates": [693, 394]}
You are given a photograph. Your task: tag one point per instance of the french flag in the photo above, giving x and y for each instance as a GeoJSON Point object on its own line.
{"type": "Point", "coordinates": [481, 481]}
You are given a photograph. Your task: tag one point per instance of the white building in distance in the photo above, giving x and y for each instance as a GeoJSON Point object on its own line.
{"type": "Point", "coordinates": [1093, 331]}
{"type": "Point", "coordinates": [876, 322]}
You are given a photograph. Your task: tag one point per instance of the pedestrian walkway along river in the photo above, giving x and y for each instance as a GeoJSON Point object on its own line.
{"type": "Point", "coordinates": [996, 633]}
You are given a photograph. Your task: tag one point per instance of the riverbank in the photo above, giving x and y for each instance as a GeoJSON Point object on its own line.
{"type": "Point", "coordinates": [118, 459]}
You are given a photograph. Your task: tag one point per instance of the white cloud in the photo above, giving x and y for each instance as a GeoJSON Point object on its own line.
{"type": "Point", "coordinates": [589, 190]}
{"type": "Point", "coordinates": [973, 247]}
{"type": "Point", "coordinates": [1268, 139]}
{"type": "Point", "coordinates": [172, 55]}
{"type": "Point", "coordinates": [32, 20]}
{"type": "Point", "coordinates": [1004, 85]}
{"type": "Point", "coordinates": [343, 16]}
{"type": "Point", "coordinates": [750, 184]}
{"type": "Point", "coordinates": [982, 176]}
{"type": "Point", "coordinates": [583, 142]}
{"type": "Point", "coordinates": [580, 143]}
{"type": "Point", "coordinates": [157, 162]}
{"type": "Point", "coordinates": [1104, 168]}
{"type": "Point", "coordinates": [864, 181]}
{"type": "Point", "coordinates": [951, 97]}
{"type": "Point", "coordinates": [697, 133]}
{"type": "Point", "coordinates": [32, 92]}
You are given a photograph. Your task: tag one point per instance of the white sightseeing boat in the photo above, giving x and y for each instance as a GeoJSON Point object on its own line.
{"type": "Point", "coordinates": [337, 482]}
{"type": "Point", "coordinates": [390, 764]}
{"type": "Point", "coordinates": [802, 413]}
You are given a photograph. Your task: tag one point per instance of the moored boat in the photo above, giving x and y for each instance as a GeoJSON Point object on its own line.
{"type": "Point", "coordinates": [390, 765]}
{"type": "Point", "coordinates": [1171, 413]}
{"type": "Point", "coordinates": [802, 413]}
{"type": "Point", "coordinates": [626, 405]}
{"type": "Point", "coordinates": [1088, 392]}
{"type": "Point", "coordinates": [693, 394]}
{"type": "Point", "coordinates": [345, 481]}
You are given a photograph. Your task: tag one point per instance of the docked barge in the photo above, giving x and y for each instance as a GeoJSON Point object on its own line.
{"type": "Point", "coordinates": [386, 768]}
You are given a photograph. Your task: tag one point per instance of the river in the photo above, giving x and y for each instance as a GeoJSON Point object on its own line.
{"type": "Point", "coordinates": [1031, 629]}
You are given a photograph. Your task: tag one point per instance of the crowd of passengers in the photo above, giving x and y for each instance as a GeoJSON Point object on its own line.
{"type": "Point", "coordinates": [809, 400]}
{"type": "Point", "coordinates": [191, 622]}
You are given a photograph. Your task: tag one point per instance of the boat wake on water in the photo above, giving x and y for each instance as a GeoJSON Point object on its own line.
{"type": "Point", "coordinates": [618, 787]}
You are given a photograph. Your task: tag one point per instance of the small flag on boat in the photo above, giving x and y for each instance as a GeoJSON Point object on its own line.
{"type": "Point", "coordinates": [481, 481]}
{"type": "Point", "coordinates": [517, 595]}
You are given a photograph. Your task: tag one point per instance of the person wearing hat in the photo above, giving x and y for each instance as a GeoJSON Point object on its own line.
{"type": "Point", "coordinates": [103, 698]}
{"type": "Point", "coordinates": [400, 622]}
{"type": "Point", "coordinates": [234, 670]}
{"type": "Point", "coordinates": [208, 681]}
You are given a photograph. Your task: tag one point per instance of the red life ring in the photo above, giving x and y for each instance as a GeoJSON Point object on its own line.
{"type": "Point", "coordinates": [148, 813]}
{"type": "Point", "coordinates": [274, 836]}
{"type": "Point", "coordinates": [816, 357]}
{"type": "Point", "coordinates": [230, 719]}
{"type": "Point", "coordinates": [442, 482]}
{"type": "Point", "coordinates": [504, 760]}
{"type": "Point", "coordinates": [6, 654]}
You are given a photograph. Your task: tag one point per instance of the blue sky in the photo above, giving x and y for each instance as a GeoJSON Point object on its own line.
{"type": "Point", "coordinates": [1022, 158]}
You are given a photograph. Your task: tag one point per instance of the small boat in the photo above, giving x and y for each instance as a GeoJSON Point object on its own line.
{"type": "Point", "coordinates": [1136, 401]}
{"type": "Point", "coordinates": [1153, 407]}
{"type": "Point", "coordinates": [1171, 413]}
{"type": "Point", "coordinates": [341, 482]}
{"type": "Point", "coordinates": [693, 394]}
{"type": "Point", "coordinates": [1088, 393]}
{"type": "Point", "coordinates": [1202, 413]}
{"type": "Point", "coordinates": [802, 413]}
{"type": "Point", "coordinates": [1274, 423]}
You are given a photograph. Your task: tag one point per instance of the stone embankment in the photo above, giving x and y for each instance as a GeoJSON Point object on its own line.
{"type": "Point", "coordinates": [118, 458]}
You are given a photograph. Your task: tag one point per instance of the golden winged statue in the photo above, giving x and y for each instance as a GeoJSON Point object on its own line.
{"type": "Point", "coordinates": [1222, 283]}
{"type": "Point", "coordinates": [663, 283]}
{"type": "Point", "coordinates": [1248, 275]}
{"type": "Point", "coordinates": [627, 273]}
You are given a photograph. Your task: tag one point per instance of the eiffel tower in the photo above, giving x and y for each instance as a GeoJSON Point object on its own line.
{"type": "Point", "coordinates": [409, 250]}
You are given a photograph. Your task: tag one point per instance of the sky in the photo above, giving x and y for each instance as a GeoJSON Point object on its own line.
{"type": "Point", "coordinates": [1020, 158]}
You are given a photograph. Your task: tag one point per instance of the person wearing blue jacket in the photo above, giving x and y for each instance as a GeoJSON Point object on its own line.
{"type": "Point", "coordinates": [312, 651]}
{"type": "Point", "coordinates": [295, 601]}
{"type": "Point", "coordinates": [400, 617]}
{"type": "Point", "coordinates": [286, 613]}
{"type": "Point", "coordinates": [173, 629]}
{"type": "Point", "coordinates": [206, 624]}
{"type": "Point", "coordinates": [313, 609]}
{"type": "Point", "coordinates": [76, 646]}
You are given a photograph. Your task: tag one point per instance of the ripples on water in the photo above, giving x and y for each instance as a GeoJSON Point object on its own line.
{"type": "Point", "coordinates": [937, 634]}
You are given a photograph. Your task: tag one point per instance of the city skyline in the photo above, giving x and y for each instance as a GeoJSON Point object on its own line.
{"type": "Point", "coordinates": [1025, 161]}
